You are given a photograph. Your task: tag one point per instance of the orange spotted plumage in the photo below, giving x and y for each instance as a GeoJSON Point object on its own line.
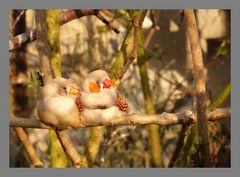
{"type": "Point", "coordinates": [79, 104]}
{"type": "Point", "coordinates": [121, 103]}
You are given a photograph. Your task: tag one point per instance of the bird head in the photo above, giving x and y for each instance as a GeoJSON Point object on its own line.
{"type": "Point", "coordinates": [59, 86]}
{"type": "Point", "coordinates": [97, 81]}
{"type": "Point", "coordinates": [98, 90]}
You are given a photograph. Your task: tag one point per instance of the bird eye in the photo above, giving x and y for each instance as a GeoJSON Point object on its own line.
{"type": "Point", "coordinates": [65, 89]}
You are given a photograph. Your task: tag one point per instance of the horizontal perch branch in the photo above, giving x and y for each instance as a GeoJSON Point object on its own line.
{"type": "Point", "coordinates": [133, 119]}
{"type": "Point", "coordinates": [24, 38]}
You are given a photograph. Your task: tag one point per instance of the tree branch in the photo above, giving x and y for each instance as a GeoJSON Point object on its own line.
{"type": "Point", "coordinates": [17, 20]}
{"type": "Point", "coordinates": [200, 86]}
{"type": "Point", "coordinates": [179, 146]}
{"type": "Point", "coordinates": [132, 119]}
{"type": "Point", "coordinates": [69, 148]}
{"type": "Point", "coordinates": [32, 154]}
{"type": "Point", "coordinates": [128, 51]}
{"type": "Point", "coordinates": [24, 38]}
{"type": "Point", "coordinates": [43, 45]}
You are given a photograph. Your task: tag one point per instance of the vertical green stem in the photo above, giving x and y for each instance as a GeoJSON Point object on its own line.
{"type": "Point", "coordinates": [58, 156]}
{"type": "Point", "coordinates": [154, 138]}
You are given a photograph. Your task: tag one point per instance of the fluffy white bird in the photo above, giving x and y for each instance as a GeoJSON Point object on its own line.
{"type": "Point", "coordinates": [100, 100]}
{"type": "Point", "coordinates": [62, 105]}
{"type": "Point", "coordinates": [57, 103]}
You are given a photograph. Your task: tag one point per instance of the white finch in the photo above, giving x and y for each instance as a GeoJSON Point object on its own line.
{"type": "Point", "coordinates": [99, 100]}
{"type": "Point", "coordinates": [57, 103]}
{"type": "Point", "coordinates": [62, 105]}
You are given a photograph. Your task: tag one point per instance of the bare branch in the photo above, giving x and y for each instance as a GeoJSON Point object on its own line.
{"type": "Point", "coordinates": [32, 154]}
{"type": "Point", "coordinates": [69, 148]}
{"type": "Point", "coordinates": [132, 119]}
{"type": "Point", "coordinates": [43, 45]}
{"type": "Point", "coordinates": [24, 38]}
{"type": "Point", "coordinates": [73, 14]}
{"type": "Point", "coordinates": [179, 146]}
{"type": "Point", "coordinates": [200, 86]}
{"type": "Point", "coordinates": [128, 51]}
{"type": "Point", "coordinates": [110, 25]}
{"type": "Point", "coordinates": [17, 20]}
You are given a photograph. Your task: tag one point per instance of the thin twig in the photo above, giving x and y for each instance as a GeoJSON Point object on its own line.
{"type": "Point", "coordinates": [24, 38]}
{"type": "Point", "coordinates": [32, 154]}
{"type": "Point", "coordinates": [110, 25]}
{"type": "Point", "coordinates": [69, 148]}
{"type": "Point", "coordinates": [17, 20]}
{"type": "Point", "coordinates": [200, 86]}
{"type": "Point", "coordinates": [179, 145]}
{"type": "Point", "coordinates": [132, 119]}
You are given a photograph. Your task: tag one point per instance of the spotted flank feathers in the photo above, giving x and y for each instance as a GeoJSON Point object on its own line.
{"type": "Point", "coordinates": [121, 103]}
{"type": "Point", "coordinates": [79, 104]}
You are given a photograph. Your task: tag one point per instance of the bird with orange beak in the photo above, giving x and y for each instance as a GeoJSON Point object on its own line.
{"type": "Point", "coordinates": [100, 99]}
{"type": "Point", "coordinates": [63, 105]}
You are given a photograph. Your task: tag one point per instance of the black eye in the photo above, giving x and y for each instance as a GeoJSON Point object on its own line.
{"type": "Point", "coordinates": [65, 89]}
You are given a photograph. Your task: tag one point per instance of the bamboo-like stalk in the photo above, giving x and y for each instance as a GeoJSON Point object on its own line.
{"type": "Point", "coordinates": [154, 137]}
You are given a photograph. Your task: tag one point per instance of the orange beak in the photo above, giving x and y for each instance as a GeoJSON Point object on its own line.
{"type": "Point", "coordinates": [73, 91]}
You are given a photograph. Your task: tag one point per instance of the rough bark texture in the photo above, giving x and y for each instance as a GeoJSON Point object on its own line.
{"type": "Point", "coordinates": [200, 86]}
{"type": "Point", "coordinates": [43, 45]}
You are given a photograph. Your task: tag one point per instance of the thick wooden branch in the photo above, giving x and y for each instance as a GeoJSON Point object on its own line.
{"type": "Point", "coordinates": [67, 16]}
{"type": "Point", "coordinates": [132, 119]}
{"type": "Point", "coordinates": [200, 85]}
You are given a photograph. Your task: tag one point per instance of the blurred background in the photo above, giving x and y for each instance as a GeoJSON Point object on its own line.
{"type": "Point", "coordinates": [88, 44]}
